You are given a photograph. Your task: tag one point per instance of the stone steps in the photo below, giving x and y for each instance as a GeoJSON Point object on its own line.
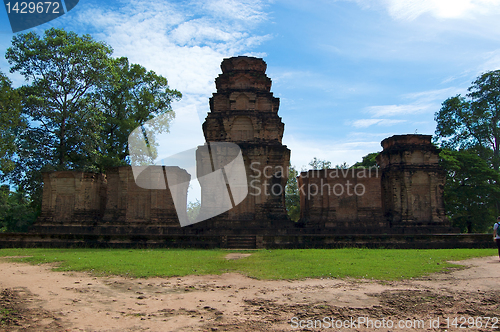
{"type": "Point", "coordinates": [241, 242]}
{"type": "Point", "coordinates": [302, 241]}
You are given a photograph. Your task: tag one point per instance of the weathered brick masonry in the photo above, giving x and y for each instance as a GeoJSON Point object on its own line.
{"type": "Point", "coordinates": [389, 203]}
{"type": "Point", "coordinates": [402, 196]}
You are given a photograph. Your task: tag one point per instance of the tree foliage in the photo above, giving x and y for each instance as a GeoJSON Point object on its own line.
{"type": "Point", "coordinates": [129, 97]}
{"type": "Point", "coordinates": [11, 122]}
{"type": "Point", "coordinates": [193, 210]}
{"type": "Point", "coordinates": [80, 105]}
{"type": "Point", "coordinates": [317, 164]}
{"type": "Point", "coordinates": [468, 127]}
{"type": "Point", "coordinates": [15, 211]}
{"type": "Point", "coordinates": [62, 69]}
{"type": "Point", "coordinates": [472, 122]}
{"type": "Point", "coordinates": [471, 190]}
{"type": "Point", "coordinates": [292, 196]}
{"type": "Point", "coordinates": [369, 160]}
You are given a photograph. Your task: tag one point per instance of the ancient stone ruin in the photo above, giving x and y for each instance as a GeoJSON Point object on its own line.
{"type": "Point", "coordinates": [244, 111]}
{"type": "Point", "coordinates": [404, 195]}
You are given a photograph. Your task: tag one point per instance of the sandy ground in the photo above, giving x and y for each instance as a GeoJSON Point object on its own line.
{"type": "Point", "coordinates": [34, 298]}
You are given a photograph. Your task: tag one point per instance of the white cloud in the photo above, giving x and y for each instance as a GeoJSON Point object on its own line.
{"type": "Point", "coordinates": [491, 61]}
{"type": "Point", "coordinates": [430, 96]}
{"type": "Point", "coordinates": [365, 123]}
{"type": "Point", "coordinates": [287, 78]}
{"type": "Point", "coordinates": [394, 110]}
{"type": "Point", "coordinates": [408, 10]}
{"type": "Point", "coordinates": [248, 11]}
{"type": "Point", "coordinates": [349, 151]}
{"type": "Point", "coordinates": [416, 114]}
{"type": "Point", "coordinates": [200, 31]}
{"type": "Point", "coordinates": [465, 74]}
{"type": "Point", "coordinates": [183, 42]}
{"type": "Point", "coordinates": [422, 102]}
{"type": "Point", "coordinates": [444, 9]}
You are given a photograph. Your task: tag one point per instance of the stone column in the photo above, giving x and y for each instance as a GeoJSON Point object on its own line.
{"type": "Point", "coordinates": [412, 182]}
{"type": "Point", "coordinates": [244, 111]}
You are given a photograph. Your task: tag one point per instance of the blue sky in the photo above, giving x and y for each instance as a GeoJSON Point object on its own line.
{"type": "Point", "coordinates": [348, 73]}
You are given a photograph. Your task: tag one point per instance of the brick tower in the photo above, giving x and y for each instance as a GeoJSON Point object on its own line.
{"type": "Point", "coordinates": [244, 111]}
{"type": "Point", "coordinates": [412, 185]}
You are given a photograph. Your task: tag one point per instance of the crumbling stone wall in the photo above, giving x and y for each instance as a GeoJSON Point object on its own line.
{"type": "Point", "coordinates": [412, 182]}
{"type": "Point", "coordinates": [404, 195]}
{"type": "Point", "coordinates": [72, 196]}
{"type": "Point", "coordinates": [128, 203]}
{"type": "Point", "coordinates": [341, 200]}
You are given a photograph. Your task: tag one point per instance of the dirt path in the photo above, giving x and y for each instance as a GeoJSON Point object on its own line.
{"type": "Point", "coordinates": [33, 298]}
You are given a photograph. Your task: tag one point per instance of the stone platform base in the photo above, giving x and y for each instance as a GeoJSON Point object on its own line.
{"type": "Point", "coordinates": [248, 241]}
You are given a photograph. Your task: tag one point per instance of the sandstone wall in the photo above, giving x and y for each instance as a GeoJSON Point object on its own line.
{"type": "Point", "coordinates": [341, 199]}
{"type": "Point", "coordinates": [78, 198]}
{"type": "Point", "coordinates": [129, 203]}
{"type": "Point", "coordinates": [412, 182]}
{"type": "Point", "coordinates": [404, 195]}
{"type": "Point", "coordinates": [72, 196]}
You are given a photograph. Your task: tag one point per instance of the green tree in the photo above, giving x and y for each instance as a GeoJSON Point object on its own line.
{"type": "Point", "coordinates": [471, 190]}
{"type": "Point", "coordinates": [62, 69]}
{"type": "Point", "coordinates": [129, 97]}
{"type": "Point", "coordinates": [193, 210]}
{"type": "Point", "coordinates": [11, 122]}
{"type": "Point", "coordinates": [292, 196]}
{"type": "Point", "coordinates": [369, 160]}
{"type": "Point", "coordinates": [473, 121]}
{"type": "Point", "coordinates": [80, 104]}
{"type": "Point", "coordinates": [15, 211]}
{"type": "Point", "coordinates": [317, 164]}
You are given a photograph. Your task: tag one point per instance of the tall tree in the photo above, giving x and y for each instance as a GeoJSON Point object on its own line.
{"type": "Point", "coordinates": [471, 124]}
{"type": "Point", "coordinates": [130, 96]}
{"type": "Point", "coordinates": [62, 69]}
{"type": "Point", "coordinates": [473, 121]}
{"type": "Point", "coordinates": [80, 104]}
{"type": "Point", "coordinates": [11, 122]}
{"type": "Point", "coordinates": [369, 160]}
{"type": "Point", "coordinates": [471, 190]}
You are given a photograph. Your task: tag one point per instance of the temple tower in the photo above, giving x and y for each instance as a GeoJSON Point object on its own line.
{"type": "Point", "coordinates": [412, 183]}
{"type": "Point", "coordinates": [244, 111]}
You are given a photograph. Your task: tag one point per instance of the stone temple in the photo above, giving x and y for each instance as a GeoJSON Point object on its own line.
{"type": "Point", "coordinates": [404, 195]}
{"type": "Point", "coordinates": [244, 111]}
{"type": "Point", "coordinates": [399, 203]}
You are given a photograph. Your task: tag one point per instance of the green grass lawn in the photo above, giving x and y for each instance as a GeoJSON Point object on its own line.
{"type": "Point", "coordinates": [382, 264]}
